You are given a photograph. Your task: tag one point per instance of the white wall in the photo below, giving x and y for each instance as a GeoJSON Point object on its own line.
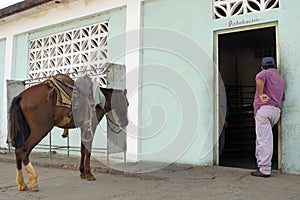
{"type": "Point", "coordinates": [65, 12]}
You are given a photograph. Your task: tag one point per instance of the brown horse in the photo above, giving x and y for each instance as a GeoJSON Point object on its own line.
{"type": "Point", "coordinates": [34, 112]}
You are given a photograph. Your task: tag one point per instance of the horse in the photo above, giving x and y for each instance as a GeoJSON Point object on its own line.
{"type": "Point", "coordinates": [34, 112]}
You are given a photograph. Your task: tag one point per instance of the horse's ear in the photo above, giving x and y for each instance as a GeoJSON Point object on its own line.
{"type": "Point", "coordinates": [125, 92]}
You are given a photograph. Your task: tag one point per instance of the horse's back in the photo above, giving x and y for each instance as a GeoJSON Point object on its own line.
{"type": "Point", "coordinates": [37, 102]}
{"type": "Point", "coordinates": [35, 95]}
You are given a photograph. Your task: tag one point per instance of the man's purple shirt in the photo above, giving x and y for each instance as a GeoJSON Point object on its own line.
{"type": "Point", "coordinates": [274, 86]}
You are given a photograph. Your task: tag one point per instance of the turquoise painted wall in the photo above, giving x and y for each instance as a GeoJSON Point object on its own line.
{"type": "Point", "coordinates": [289, 43]}
{"type": "Point", "coordinates": [117, 26]}
{"type": "Point", "coordinates": [176, 82]}
{"type": "Point", "coordinates": [288, 30]}
{"type": "Point", "coordinates": [167, 76]}
{"type": "Point", "coordinates": [20, 63]}
{"type": "Point", "coordinates": [2, 67]}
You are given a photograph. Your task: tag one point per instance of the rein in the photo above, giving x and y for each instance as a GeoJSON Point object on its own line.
{"type": "Point", "coordinates": [109, 119]}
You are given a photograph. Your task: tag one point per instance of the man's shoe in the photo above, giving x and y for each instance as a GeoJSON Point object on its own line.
{"type": "Point", "coordinates": [259, 174]}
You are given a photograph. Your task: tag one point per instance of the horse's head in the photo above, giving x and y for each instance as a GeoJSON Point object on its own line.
{"type": "Point", "coordinates": [119, 106]}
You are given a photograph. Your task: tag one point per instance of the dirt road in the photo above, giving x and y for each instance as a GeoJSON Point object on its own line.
{"type": "Point", "coordinates": [175, 183]}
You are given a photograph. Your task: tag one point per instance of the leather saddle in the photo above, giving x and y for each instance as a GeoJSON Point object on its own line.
{"type": "Point", "coordinates": [65, 83]}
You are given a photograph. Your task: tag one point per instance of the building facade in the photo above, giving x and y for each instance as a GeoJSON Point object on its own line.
{"type": "Point", "coordinates": [176, 55]}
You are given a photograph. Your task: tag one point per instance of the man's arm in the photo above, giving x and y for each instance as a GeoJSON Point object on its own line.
{"type": "Point", "coordinates": [260, 89]}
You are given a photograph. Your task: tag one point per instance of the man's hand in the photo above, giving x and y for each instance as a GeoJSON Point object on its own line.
{"type": "Point", "coordinates": [260, 88]}
{"type": "Point", "coordinates": [264, 98]}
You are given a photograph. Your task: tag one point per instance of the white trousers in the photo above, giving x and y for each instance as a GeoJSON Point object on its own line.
{"type": "Point", "coordinates": [266, 117]}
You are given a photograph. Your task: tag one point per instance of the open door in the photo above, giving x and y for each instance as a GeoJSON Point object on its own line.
{"type": "Point", "coordinates": [239, 60]}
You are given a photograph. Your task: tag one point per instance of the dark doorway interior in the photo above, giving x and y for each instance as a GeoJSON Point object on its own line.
{"type": "Point", "coordinates": [240, 55]}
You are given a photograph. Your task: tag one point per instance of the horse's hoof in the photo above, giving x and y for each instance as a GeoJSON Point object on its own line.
{"type": "Point", "coordinates": [90, 178]}
{"type": "Point", "coordinates": [34, 189]}
{"type": "Point", "coordinates": [83, 176]}
{"type": "Point", "coordinates": [22, 188]}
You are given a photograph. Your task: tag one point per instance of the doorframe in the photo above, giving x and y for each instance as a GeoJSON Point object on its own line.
{"type": "Point", "coordinates": [216, 81]}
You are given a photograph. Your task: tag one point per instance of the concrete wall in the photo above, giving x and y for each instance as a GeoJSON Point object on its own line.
{"type": "Point", "coordinates": [288, 48]}
{"type": "Point", "coordinates": [62, 17]}
{"type": "Point", "coordinates": [289, 58]}
{"type": "Point", "coordinates": [161, 107]}
{"type": "Point", "coordinates": [177, 82]}
{"type": "Point", "coordinates": [2, 67]}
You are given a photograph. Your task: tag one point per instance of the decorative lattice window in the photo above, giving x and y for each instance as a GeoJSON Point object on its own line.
{"type": "Point", "coordinates": [77, 52]}
{"type": "Point", "coordinates": [227, 8]}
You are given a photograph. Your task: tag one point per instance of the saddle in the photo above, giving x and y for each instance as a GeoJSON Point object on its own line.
{"type": "Point", "coordinates": [66, 89]}
{"type": "Point", "coordinates": [63, 85]}
{"type": "Point", "coordinates": [65, 82]}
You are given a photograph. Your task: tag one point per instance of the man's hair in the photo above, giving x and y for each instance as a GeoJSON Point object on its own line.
{"type": "Point", "coordinates": [268, 66]}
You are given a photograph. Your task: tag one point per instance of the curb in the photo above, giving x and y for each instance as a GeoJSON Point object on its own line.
{"type": "Point", "coordinates": [93, 169]}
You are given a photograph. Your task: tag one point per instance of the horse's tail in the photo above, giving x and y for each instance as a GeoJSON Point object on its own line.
{"type": "Point", "coordinates": [19, 129]}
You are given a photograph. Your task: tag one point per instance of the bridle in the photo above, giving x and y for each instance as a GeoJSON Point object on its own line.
{"type": "Point", "coordinates": [109, 119]}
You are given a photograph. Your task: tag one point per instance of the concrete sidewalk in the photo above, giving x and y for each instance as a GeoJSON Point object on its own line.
{"type": "Point", "coordinates": [142, 170]}
{"type": "Point", "coordinates": [214, 182]}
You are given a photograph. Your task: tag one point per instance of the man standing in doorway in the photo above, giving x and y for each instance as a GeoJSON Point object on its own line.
{"type": "Point", "coordinates": [267, 103]}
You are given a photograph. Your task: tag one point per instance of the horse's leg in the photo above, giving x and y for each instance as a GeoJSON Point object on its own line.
{"type": "Point", "coordinates": [32, 176]}
{"type": "Point", "coordinates": [85, 170]}
{"type": "Point", "coordinates": [23, 154]}
{"type": "Point", "coordinates": [88, 148]}
{"type": "Point", "coordinates": [89, 175]}
{"type": "Point", "coordinates": [19, 178]}
{"type": "Point", "coordinates": [81, 168]}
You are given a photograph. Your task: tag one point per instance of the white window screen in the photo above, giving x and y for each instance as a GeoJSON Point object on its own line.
{"type": "Point", "coordinates": [227, 8]}
{"type": "Point", "coordinates": [75, 52]}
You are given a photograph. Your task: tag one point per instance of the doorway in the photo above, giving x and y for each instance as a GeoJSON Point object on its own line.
{"type": "Point", "coordinates": [239, 60]}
